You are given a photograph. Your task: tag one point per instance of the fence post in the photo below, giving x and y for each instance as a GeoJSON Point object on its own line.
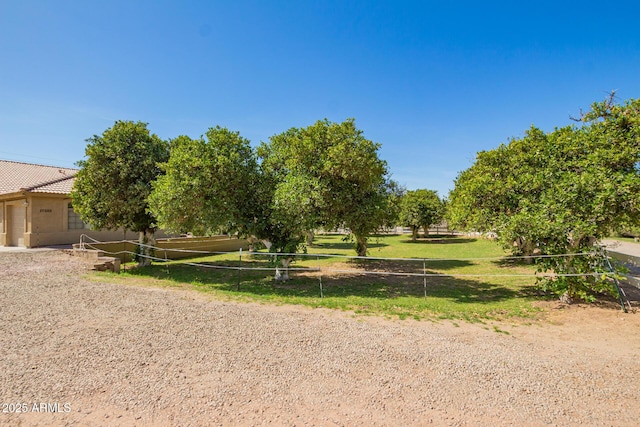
{"type": "Point", "coordinates": [239, 271]}
{"type": "Point", "coordinates": [617, 283]}
{"type": "Point", "coordinates": [424, 275]}
{"type": "Point", "coordinates": [320, 276]}
{"type": "Point", "coordinates": [166, 261]}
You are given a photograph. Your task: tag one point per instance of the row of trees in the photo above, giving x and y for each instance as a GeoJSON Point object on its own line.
{"type": "Point", "coordinates": [324, 176]}
{"type": "Point", "coordinates": [558, 193]}
{"type": "Point", "coordinates": [554, 193]}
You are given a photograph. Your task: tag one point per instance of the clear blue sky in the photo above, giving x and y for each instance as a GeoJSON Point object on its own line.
{"type": "Point", "coordinates": [433, 82]}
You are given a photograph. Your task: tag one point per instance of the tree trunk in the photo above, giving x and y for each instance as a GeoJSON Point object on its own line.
{"type": "Point", "coordinates": [283, 275]}
{"type": "Point", "coordinates": [525, 248]}
{"type": "Point", "coordinates": [309, 235]}
{"type": "Point", "coordinates": [146, 239]}
{"type": "Point", "coordinates": [414, 231]}
{"type": "Point", "coordinates": [252, 240]}
{"type": "Point", "coordinates": [361, 245]}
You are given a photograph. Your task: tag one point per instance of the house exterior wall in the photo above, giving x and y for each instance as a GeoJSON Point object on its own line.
{"type": "Point", "coordinates": [46, 222]}
{"type": "Point", "coordinates": [47, 214]}
{"type": "Point", "coordinates": [11, 209]}
{"type": "Point", "coordinates": [15, 233]}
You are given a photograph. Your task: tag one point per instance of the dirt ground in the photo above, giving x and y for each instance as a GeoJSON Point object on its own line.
{"type": "Point", "coordinates": [74, 351]}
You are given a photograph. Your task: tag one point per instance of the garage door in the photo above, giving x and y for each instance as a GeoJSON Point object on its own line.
{"type": "Point", "coordinates": [15, 227]}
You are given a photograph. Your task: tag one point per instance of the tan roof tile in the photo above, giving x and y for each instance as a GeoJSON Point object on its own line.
{"type": "Point", "coordinates": [17, 176]}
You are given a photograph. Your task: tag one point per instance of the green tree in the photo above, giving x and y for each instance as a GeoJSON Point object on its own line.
{"type": "Point", "coordinates": [208, 185]}
{"type": "Point", "coordinates": [488, 195]}
{"type": "Point", "coordinates": [395, 193]}
{"type": "Point", "coordinates": [558, 194]}
{"type": "Point", "coordinates": [111, 189]}
{"type": "Point", "coordinates": [328, 175]}
{"type": "Point", "coordinates": [420, 208]}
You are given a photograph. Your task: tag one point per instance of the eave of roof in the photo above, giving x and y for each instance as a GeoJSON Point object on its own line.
{"type": "Point", "coordinates": [60, 186]}
{"type": "Point", "coordinates": [28, 177]}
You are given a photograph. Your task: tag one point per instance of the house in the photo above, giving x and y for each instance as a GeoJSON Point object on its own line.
{"type": "Point", "coordinates": [36, 208]}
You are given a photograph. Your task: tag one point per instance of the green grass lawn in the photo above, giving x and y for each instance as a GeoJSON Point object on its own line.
{"type": "Point", "coordinates": [462, 295]}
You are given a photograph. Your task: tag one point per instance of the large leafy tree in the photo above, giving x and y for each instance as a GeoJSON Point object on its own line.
{"type": "Point", "coordinates": [328, 175]}
{"type": "Point", "coordinates": [215, 184]}
{"type": "Point", "coordinates": [420, 208]}
{"type": "Point", "coordinates": [558, 193]}
{"type": "Point", "coordinates": [208, 185]}
{"type": "Point", "coordinates": [489, 194]}
{"type": "Point", "coordinates": [111, 189]}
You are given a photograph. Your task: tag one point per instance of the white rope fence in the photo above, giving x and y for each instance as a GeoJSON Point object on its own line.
{"type": "Point", "coordinates": [84, 244]}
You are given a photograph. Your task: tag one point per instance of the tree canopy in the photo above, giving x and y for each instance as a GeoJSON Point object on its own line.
{"type": "Point", "coordinates": [111, 189]}
{"type": "Point", "coordinates": [327, 175]}
{"type": "Point", "coordinates": [208, 184]}
{"type": "Point", "coordinates": [420, 208]}
{"type": "Point", "coordinates": [558, 193]}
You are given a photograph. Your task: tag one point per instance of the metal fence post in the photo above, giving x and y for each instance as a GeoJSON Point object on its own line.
{"type": "Point", "coordinates": [424, 275]}
{"type": "Point", "coordinates": [320, 276]}
{"type": "Point", "coordinates": [166, 261]}
{"type": "Point", "coordinates": [239, 271]}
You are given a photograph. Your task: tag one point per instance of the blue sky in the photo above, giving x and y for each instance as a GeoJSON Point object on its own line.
{"type": "Point", "coordinates": [433, 83]}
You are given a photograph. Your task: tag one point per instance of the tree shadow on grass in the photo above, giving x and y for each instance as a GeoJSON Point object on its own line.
{"type": "Point", "coordinates": [394, 287]}
{"type": "Point", "coordinates": [408, 266]}
{"type": "Point", "coordinates": [510, 262]}
{"type": "Point", "coordinates": [439, 241]}
{"type": "Point", "coordinates": [347, 245]}
{"type": "Point", "coordinates": [458, 290]}
{"type": "Point", "coordinates": [305, 283]}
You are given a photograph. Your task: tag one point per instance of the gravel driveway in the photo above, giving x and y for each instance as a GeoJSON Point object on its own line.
{"type": "Point", "coordinates": [79, 352]}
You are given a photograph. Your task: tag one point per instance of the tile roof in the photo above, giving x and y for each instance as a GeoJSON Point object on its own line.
{"type": "Point", "coordinates": [16, 177]}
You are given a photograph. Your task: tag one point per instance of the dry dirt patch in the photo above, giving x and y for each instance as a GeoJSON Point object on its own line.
{"type": "Point", "coordinates": [122, 355]}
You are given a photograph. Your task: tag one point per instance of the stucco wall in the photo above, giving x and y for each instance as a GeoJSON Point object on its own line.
{"type": "Point", "coordinates": [48, 214]}
{"type": "Point", "coordinates": [209, 244]}
{"type": "Point", "coordinates": [46, 222]}
{"type": "Point", "coordinates": [9, 211]}
{"type": "Point", "coordinates": [49, 224]}
{"type": "Point", "coordinates": [38, 238]}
